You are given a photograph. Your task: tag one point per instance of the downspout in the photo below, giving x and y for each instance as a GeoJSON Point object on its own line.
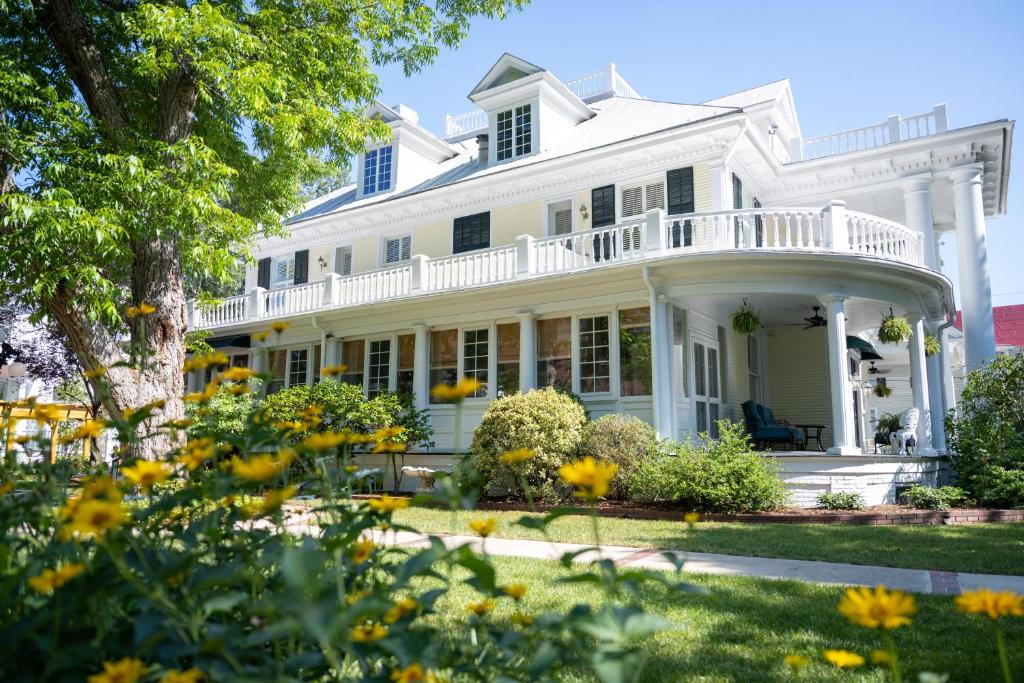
{"type": "Point", "coordinates": [657, 375]}
{"type": "Point", "coordinates": [943, 366]}
{"type": "Point", "coordinates": [324, 335]}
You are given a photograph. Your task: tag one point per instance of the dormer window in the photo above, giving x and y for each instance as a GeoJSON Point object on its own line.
{"type": "Point", "coordinates": [515, 132]}
{"type": "Point", "coordinates": [377, 170]}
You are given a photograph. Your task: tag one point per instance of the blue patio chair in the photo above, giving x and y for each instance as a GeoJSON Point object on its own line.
{"type": "Point", "coordinates": [765, 430]}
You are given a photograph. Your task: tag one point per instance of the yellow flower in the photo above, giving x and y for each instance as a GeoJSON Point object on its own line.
{"type": "Point", "coordinates": [691, 518]}
{"type": "Point", "coordinates": [50, 579]}
{"type": "Point", "coordinates": [143, 309]}
{"type": "Point", "coordinates": [516, 456]}
{"type": "Point", "coordinates": [388, 503]}
{"type": "Point", "coordinates": [260, 336]}
{"type": "Point", "coordinates": [591, 479]}
{"type": "Point", "coordinates": [844, 659]}
{"type": "Point", "coordinates": [413, 672]}
{"type": "Point", "coordinates": [323, 441]}
{"type": "Point", "coordinates": [386, 433]}
{"type": "Point", "coordinates": [368, 632]}
{"type": "Point", "coordinates": [390, 447]}
{"type": "Point", "coordinates": [402, 608]}
{"type": "Point", "coordinates": [124, 671]}
{"type": "Point", "coordinates": [274, 499]}
{"type": "Point", "coordinates": [258, 468]}
{"type": "Point", "coordinates": [879, 608]}
{"type": "Point", "coordinates": [187, 676]}
{"type": "Point", "coordinates": [204, 361]}
{"type": "Point", "coordinates": [6, 488]}
{"type": "Point", "coordinates": [351, 469]}
{"type": "Point", "coordinates": [523, 619]}
{"type": "Point", "coordinates": [145, 473]}
{"type": "Point", "coordinates": [480, 608]}
{"type": "Point", "coordinates": [90, 429]}
{"type": "Point", "coordinates": [95, 517]}
{"type": "Point", "coordinates": [280, 326]}
{"type": "Point", "coordinates": [990, 603]}
{"type": "Point", "coordinates": [204, 396]}
{"type": "Point", "coordinates": [516, 591]}
{"type": "Point", "coordinates": [483, 527]}
{"type": "Point", "coordinates": [44, 413]}
{"type": "Point", "coordinates": [796, 662]}
{"type": "Point", "coordinates": [361, 550]}
{"type": "Point", "coordinates": [95, 373]}
{"type": "Point", "coordinates": [881, 658]}
{"type": "Point", "coordinates": [183, 423]}
{"type": "Point", "coordinates": [333, 370]}
{"type": "Point", "coordinates": [196, 452]}
{"type": "Point", "coordinates": [237, 374]}
{"type": "Point", "coordinates": [467, 386]}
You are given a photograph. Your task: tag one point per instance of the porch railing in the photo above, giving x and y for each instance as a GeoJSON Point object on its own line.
{"type": "Point", "coordinates": [831, 229]}
{"type": "Point", "coordinates": [893, 129]}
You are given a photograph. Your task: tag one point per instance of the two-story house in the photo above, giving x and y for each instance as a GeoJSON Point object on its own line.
{"type": "Point", "coordinates": [575, 234]}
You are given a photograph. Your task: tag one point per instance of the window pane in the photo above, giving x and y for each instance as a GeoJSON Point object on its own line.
{"type": "Point", "coordinates": [554, 353]}
{"type": "Point", "coordinates": [713, 419]}
{"type": "Point", "coordinates": [474, 358]}
{"type": "Point", "coordinates": [635, 351]}
{"type": "Point", "coordinates": [384, 168]}
{"type": "Point", "coordinates": [699, 384]}
{"type": "Point", "coordinates": [277, 360]}
{"type": "Point", "coordinates": [406, 360]}
{"type": "Point", "coordinates": [504, 145]}
{"type": "Point", "coordinates": [370, 172]}
{"type": "Point", "coordinates": [508, 359]}
{"type": "Point", "coordinates": [595, 373]}
{"type": "Point", "coordinates": [297, 366]}
{"type": "Point", "coordinates": [379, 366]}
{"type": "Point", "coordinates": [444, 358]}
{"type": "Point", "coordinates": [352, 357]}
{"type": "Point", "coordinates": [713, 373]}
{"type": "Point", "coordinates": [524, 130]}
{"type": "Point", "coordinates": [701, 417]}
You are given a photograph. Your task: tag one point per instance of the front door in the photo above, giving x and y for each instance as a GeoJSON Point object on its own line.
{"type": "Point", "coordinates": [707, 398]}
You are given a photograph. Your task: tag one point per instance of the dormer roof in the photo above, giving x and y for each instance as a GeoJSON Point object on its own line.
{"type": "Point", "coordinates": [508, 68]}
{"type": "Point", "coordinates": [512, 79]}
{"type": "Point", "coordinates": [425, 141]}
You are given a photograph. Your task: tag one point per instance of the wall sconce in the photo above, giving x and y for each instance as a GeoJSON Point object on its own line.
{"type": "Point", "coordinates": [583, 211]}
{"type": "Point", "coordinates": [322, 261]}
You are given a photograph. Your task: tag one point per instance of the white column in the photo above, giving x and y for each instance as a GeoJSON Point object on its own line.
{"type": "Point", "coordinates": [841, 391]}
{"type": "Point", "coordinates": [919, 388]}
{"type": "Point", "coordinates": [421, 367]}
{"type": "Point", "coordinates": [917, 205]}
{"type": "Point", "coordinates": [935, 402]}
{"type": "Point", "coordinates": [972, 256]}
{"type": "Point", "coordinates": [661, 365]}
{"type": "Point", "coordinates": [527, 351]}
{"type": "Point", "coordinates": [948, 387]}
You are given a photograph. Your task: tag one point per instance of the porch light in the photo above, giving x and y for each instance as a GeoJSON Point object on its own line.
{"type": "Point", "coordinates": [322, 261]}
{"type": "Point", "coordinates": [583, 211]}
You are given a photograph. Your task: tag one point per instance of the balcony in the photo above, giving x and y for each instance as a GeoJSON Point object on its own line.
{"type": "Point", "coordinates": [894, 129]}
{"type": "Point", "coordinates": [831, 229]}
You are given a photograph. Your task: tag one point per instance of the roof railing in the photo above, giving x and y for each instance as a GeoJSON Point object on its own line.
{"type": "Point", "coordinates": [894, 129]}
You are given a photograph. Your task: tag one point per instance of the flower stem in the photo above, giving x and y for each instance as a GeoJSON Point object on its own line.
{"type": "Point", "coordinates": [894, 664]}
{"type": "Point", "coordinates": [1004, 659]}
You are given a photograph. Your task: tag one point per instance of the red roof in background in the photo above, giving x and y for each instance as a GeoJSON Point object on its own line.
{"type": "Point", "coordinates": [1009, 322]}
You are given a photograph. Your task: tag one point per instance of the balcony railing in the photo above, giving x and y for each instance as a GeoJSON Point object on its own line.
{"type": "Point", "coordinates": [831, 229]}
{"type": "Point", "coordinates": [894, 129]}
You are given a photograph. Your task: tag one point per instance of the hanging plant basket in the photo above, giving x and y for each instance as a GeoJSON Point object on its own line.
{"type": "Point", "coordinates": [745, 320]}
{"type": "Point", "coordinates": [893, 329]}
{"type": "Point", "coordinates": [931, 345]}
{"type": "Point", "coordinates": [882, 391]}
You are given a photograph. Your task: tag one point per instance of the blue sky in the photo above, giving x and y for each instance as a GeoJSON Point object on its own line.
{"type": "Point", "coordinates": [851, 65]}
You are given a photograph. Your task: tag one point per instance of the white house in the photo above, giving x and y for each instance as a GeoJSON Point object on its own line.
{"type": "Point", "coordinates": [576, 234]}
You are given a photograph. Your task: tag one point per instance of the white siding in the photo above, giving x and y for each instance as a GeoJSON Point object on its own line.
{"type": "Point", "coordinates": [798, 377]}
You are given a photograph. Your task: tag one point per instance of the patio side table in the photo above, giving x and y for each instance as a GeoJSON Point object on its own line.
{"type": "Point", "coordinates": [807, 434]}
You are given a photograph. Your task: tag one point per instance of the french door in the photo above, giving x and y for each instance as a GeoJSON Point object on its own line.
{"type": "Point", "coordinates": [707, 398]}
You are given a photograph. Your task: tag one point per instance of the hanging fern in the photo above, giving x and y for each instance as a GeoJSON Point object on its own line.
{"type": "Point", "coordinates": [893, 329]}
{"type": "Point", "coordinates": [931, 345]}
{"type": "Point", "coordinates": [745, 320]}
{"type": "Point", "coordinates": [882, 391]}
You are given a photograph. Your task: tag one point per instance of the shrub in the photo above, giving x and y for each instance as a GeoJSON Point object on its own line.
{"type": "Point", "coordinates": [724, 475]}
{"type": "Point", "coordinates": [544, 420]}
{"type": "Point", "coordinates": [621, 439]}
{"type": "Point", "coordinates": [840, 500]}
{"type": "Point", "coordinates": [225, 413]}
{"type": "Point", "coordinates": [988, 434]}
{"type": "Point", "coordinates": [929, 498]}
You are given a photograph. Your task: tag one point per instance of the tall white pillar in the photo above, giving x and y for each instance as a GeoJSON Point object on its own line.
{"type": "Point", "coordinates": [917, 204]}
{"type": "Point", "coordinates": [527, 351]}
{"type": "Point", "coordinates": [661, 365]}
{"type": "Point", "coordinates": [421, 367]}
{"type": "Point", "coordinates": [841, 391]}
{"type": "Point", "coordinates": [919, 388]}
{"type": "Point", "coordinates": [972, 255]}
{"type": "Point", "coordinates": [935, 401]}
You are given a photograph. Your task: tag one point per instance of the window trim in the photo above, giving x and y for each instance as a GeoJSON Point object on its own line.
{"type": "Point", "coordinates": [460, 367]}
{"type": "Point", "coordinates": [534, 107]}
{"type": "Point", "coordinates": [548, 227]}
{"type": "Point", "coordinates": [489, 232]}
{"type": "Point", "coordinates": [613, 389]}
{"type": "Point", "coordinates": [363, 159]}
{"type": "Point", "coordinates": [383, 249]}
{"type": "Point", "coordinates": [641, 183]}
{"type": "Point", "coordinates": [274, 261]}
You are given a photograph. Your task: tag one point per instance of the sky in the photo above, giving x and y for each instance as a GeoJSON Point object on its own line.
{"type": "Point", "coordinates": [851, 64]}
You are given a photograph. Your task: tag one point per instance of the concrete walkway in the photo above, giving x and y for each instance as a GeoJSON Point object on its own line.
{"type": "Point", "coordinates": [912, 580]}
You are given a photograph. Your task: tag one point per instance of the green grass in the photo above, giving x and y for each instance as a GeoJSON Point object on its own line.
{"type": "Point", "coordinates": [742, 630]}
{"type": "Point", "coordinates": [978, 548]}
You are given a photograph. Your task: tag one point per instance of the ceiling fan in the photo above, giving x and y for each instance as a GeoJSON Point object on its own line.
{"type": "Point", "coordinates": [872, 370]}
{"type": "Point", "coordinates": [815, 320]}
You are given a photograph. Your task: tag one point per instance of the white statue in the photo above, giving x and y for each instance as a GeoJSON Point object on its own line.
{"type": "Point", "coordinates": [907, 431]}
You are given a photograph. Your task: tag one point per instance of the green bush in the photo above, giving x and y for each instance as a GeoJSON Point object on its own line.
{"type": "Point", "coordinates": [621, 439]}
{"type": "Point", "coordinates": [723, 475]}
{"type": "Point", "coordinates": [225, 413]}
{"type": "Point", "coordinates": [548, 422]}
{"type": "Point", "coordinates": [929, 498]}
{"type": "Point", "coordinates": [840, 500]}
{"type": "Point", "coordinates": [988, 434]}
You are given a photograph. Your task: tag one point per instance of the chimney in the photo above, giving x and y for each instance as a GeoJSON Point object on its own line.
{"type": "Point", "coordinates": [482, 147]}
{"type": "Point", "coordinates": [407, 113]}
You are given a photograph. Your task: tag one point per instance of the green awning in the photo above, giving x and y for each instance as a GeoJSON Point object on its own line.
{"type": "Point", "coordinates": [240, 340]}
{"type": "Point", "coordinates": [867, 351]}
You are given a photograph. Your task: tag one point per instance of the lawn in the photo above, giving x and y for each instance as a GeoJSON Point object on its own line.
{"type": "Point", "coordinates": [742, 630]}
{"type": "Point", "coordinates": [978, 548]}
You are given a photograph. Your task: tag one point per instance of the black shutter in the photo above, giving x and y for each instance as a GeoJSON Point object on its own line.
{"type": "Point", "coordinates": [737, 192]}
{"type": "Point", "coordinates": [302, 267]}
{"type": "Point", "coordinates": [680, 190]}
{"type": "Point", "coordinates": [602, 201]}
{"type": "Point", "coordinates": [471, 232]}
{"type": "Point", "coordinates": [263, 273]}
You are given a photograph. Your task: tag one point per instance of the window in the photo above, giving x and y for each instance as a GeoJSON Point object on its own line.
{"type": "Point", "coordinates": [377, 170]}
{"type": "Point", "coordinates": [595, 372]}
{"type": "Point", "coordinates": [515, 132]}
{"type": "Point", "coordinates": [635, 352]}
{"type": "Point", "coordinates": [444, 358]}
{"type": "Point", "coordinates": [277, 360]}
{"type": "Point", "coordinates": [560, 218]}
{"type": "Point", "coordinates": [508, 359]}
{"type": "Point", "coordinates": [406, 360]}
{"type": "Point", "coordinates": [554, 353]}
{"type": "Point", "coordinates": [343, 260]}
{"type": "Point", "coordinates": [352, 358]}
{"type": "Point", "coordinates": [639, 199]}
{"type": "Point", "coordinates": [379, 367]}
{"type": "Point", "coordinates": [471, 232]}
{"type": "Point", "coordinates": [397, 249]}
{"type": "Point", "coordinates": [282, 271]}
{"type": "Point", "coordinates": [474, 358]}
{"type": "Point", "coordinates": [754, 368]}
{"type": "Point", "coordinates": [298, 366]}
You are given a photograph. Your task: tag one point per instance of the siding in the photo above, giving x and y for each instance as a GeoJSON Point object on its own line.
{"type": "Point", "coordinates": [365, 254]}
{"type": "Point", "coordinates": [738, 372]}
{"type": "Point", "coordinates": [702, 188]}
{"type": "Point", "coordinates": [798, 377]}
{"type": "Point", "coordinates": [509, 222]}
{"type": "Point", "coordinates": [433, 240]}
{"type": "Point", "coordinates": [582, 199]}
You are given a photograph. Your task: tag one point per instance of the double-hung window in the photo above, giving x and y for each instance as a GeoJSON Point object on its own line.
{"type": "Point", "coordinates": [515, 132]}
{"type": "Point", "coordinates": [352, 359]}
{"type": "Point", "coordinates": [379, 367]}
{"type": "Point", "coordinates": [508, 359]}
{"type": "Point", "coordinates": [595, 355]}
{"type": "Point", "coordinates": [397, 249]}
{"type": "Point", "coordinates": [554, 353]}
{"type": "Point", "coordinates": [282, 271]}
{"type": "Point", "coordinates": [444, 358]}
{"type": "Point", "coordinates": [474, 358]}
{"type": "Point", "coordinates": [377, 170]}
{"type": "Point", "coordinates": [635, 352]}
{"type": "Point", "coordinates": [298, 366]}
